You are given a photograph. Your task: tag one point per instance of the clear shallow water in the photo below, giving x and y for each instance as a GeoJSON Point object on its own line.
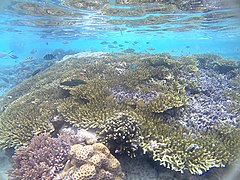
{"type": "Point", "coordinates": [32, 29]}
{"type": "Point", "coordinates": [48, 25]}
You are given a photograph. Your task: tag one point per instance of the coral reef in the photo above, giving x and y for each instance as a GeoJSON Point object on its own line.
{"type": "Point", "coordinates": [57, 158]}
{"type": "Point", "coordinates": [41, 159]}
{"type": "Point", "coordinates": [182, 112]}
{"type": "Point", "coordinates": [28, 115]}
{"type": "Point", "coordinates": [121, 132]}
{"type": "Point", "coordinates": [91, 162]}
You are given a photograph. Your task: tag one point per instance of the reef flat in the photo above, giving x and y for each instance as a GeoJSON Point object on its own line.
{"type": "Point", "coordinates": [180, 111]}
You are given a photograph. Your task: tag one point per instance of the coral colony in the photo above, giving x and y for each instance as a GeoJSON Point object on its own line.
{"type": "Point", "coordinates": [182, 112]}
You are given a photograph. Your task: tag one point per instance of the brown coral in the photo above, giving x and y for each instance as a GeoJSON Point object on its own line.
{"type": "Point", "coordinates": [102, 148]}
{"type": "Point", "coordinates": [80, 152]}
{"type": "Point", "coordinates": [86, 171]}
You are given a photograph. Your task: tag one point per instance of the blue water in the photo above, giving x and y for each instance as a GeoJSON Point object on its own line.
{"type": "Point", "coordinates": [178, 33]}
{"type": "Point", "coordinates": [32, 29]}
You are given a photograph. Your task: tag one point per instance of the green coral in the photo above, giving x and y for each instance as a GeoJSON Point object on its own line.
{"type": "Point", "coordinates": [89, 104]}
{"type": "Point", "coordinates": [178, 150]}
{"type": "Point", "coordinates": [28, 115]}
{"type": "Point", "coordinates": [171, 96]}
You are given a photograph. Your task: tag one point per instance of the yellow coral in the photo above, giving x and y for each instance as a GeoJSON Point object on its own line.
{"type": "Point", "coordinates": [81, 153]}
{"type": "Point", "coordinates": [97, 159]}
{"type": "Point", "coordinates": [113, 164]}
{"type": "Point", "coordinates": [106, 175]}
{"type": "Point", "coordinates": [75, 148]}
{"type": "Point", "coordinates": [86, 171]}
{"type": "Point", "coordinates": [92, 162]}
{"type": "Point", "coordinates": [102, 148]}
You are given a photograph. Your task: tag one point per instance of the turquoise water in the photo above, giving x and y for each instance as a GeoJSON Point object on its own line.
{"type": "Point", "coordinates": [179, 33]}
{"type": "Point", "coordinates": [31, 29]}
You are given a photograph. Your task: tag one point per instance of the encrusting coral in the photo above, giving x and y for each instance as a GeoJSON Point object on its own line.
{"type": "Point", "coordinates": [181, 111]}
{"type": "Point", "coordinates": [91, 162]}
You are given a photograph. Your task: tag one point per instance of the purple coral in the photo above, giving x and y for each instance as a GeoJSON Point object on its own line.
{"type": "Point", "coordinates": [121, 93]}
{"type": "Point", "coordinates": [41, 159]}
{"type": "Point", "coordinates": [211, 105]}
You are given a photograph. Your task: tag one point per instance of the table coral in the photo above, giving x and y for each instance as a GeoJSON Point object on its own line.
{"type": "Point", "coordinates": [25, 117]}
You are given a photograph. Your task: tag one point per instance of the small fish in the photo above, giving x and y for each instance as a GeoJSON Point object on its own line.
{"type": "Point", "coordinates": [104, 42]}
{"type": "Point", "coordinates": [29, 59]}
{"type": "Point", "coordinates": [65, 42]}
{"type": "Point", "coordinates": [13, 57]}
{"type": "Point", "coordinates": [111, 46]}
{"type": "Point", "coordinates": [3, 54]}
{"type": "Point", "coordinates": [33, 51]}
{"type": "Point", "coordinates": [73, 82]}
{"type": "Point", "coordinates": [36, 72]}
{"type": "Point", "coordinates": [5, 79]}
{"type": "Point", "coordinates": [114, 42]}
{"type": "Point", "coordinates": [49, 57]}
{"type": "Point", "coordinates": [151, 49]}
{"type": "Point", "coordinates": [129, 50]}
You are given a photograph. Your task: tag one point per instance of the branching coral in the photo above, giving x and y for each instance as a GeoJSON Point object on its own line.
{"type": "Point", "coordinates": [41, 159]}
{"type": "Point", "coordinates": [181, 152]}
{"type": "Point", "coordinates": [28, 115]}
{"type": "Point", "coordinates": [89, 104]}
{"type": "Point", "coordinates": [121, 132]}
{"type": "Point", "coordinates": [167, 106]}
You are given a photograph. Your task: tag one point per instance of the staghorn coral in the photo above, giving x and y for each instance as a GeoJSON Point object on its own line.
{"type": "Point", "coordinates": [41, 159]}
{"type": "Point", "coordinates": [31, 107]}
{"type": "Point", "coordinates": [182, 150]}
{"type": "Point", "coordinates": [91, 162]}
